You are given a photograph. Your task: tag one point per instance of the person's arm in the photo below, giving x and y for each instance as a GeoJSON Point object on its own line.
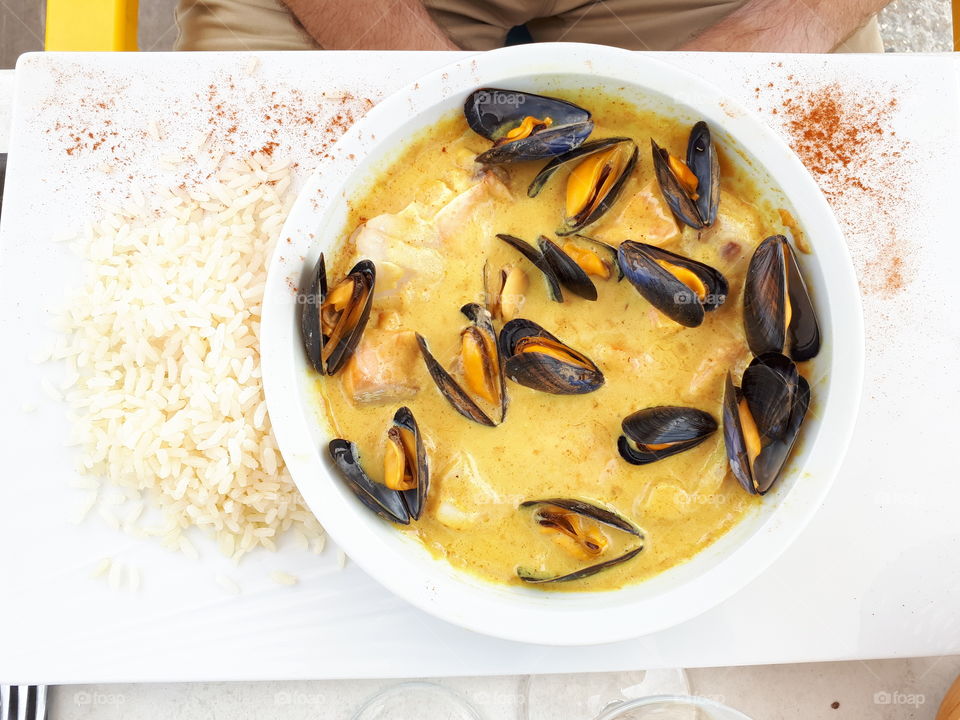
{"type": "Point", "coordinates": [370, 24]}
{"type": "Point", "coordinates": [787, 26]}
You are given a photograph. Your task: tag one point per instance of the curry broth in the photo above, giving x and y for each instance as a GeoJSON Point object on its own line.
{"type": "Point", "coordinates": [551, 445]}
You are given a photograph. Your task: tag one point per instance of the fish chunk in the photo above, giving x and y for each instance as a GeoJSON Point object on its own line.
{"type": "Point", "coordinates": [384, 368]}
{"type": "Point", "coordinates": [474, 205]}
{"type": "Point", "coordinates": [463, 498]}
{"type": "Point", "coordinates": [645, 217]}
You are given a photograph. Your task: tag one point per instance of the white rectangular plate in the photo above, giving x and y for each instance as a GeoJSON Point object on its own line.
{"type": "Point", "coordinates": [874, 575]}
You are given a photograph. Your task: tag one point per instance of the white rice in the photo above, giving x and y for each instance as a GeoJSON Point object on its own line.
{"type": "Point", "coordinates": [163, 365]}
{"type": "Point", "coordinates": [284, 578]}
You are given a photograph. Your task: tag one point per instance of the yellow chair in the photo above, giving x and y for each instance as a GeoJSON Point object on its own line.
{"type": "Point", "coordinates": [91, 25]}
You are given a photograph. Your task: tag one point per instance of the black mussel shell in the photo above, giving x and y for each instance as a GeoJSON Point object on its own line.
{"type": "Point", "coordinates": [536, 257]}
{"type": "Point", "coordinates": [574, 374]}
{"type": "Point", "coordinates": [455, 394]}
{"type": "Point", "coordinates": [594, 512]}
{"type": "Point", "coordinates": [385, 502]}
{"type": "Point", "coordinates": [558, 268]}
{"type": "Point", "coordinates": [573, 225]}
{"type": "Point", "coordinates": [310, 304]}
{"type": "Point", "coordinates": [663, 289]}
{"type": "Point", "coordinates": [705, 165]}
{"type": "Point", "coordinates": [777, 398]}
{"type": "Point", "coordinates": [416, 498]}
{"type": "Point", "coordinates": [493, 112]}
{"type": "Point", "coordinates": [568, 273]}
{"type": "Point", "coordinates": [773, 277]}
{"type": "Point", "coordinates": [703, 162]}
{"type": "Point", "coordinates": [679, 428]}
{"type": "Point", "coordinates": [364, 275]}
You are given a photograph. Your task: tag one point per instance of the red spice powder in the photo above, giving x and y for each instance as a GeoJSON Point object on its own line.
{"type": "Point", "coordinates": [845, 138]}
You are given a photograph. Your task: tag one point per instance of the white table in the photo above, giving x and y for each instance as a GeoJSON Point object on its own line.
{"type": "Point", "coordinates": [898, 601]}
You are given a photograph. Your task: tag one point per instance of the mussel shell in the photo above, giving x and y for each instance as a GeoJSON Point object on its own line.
{"type": "Point", "coordinates": [458, 398]}
{"type": "Point", "coordinates": [568, 273]}
{"type": "Point", "coordinates": [483, 321]}
{"type": "Point", "coordinates": [364, 275]}
{"type": "Point", "coordinates": [684, 428]}
{"type": "Point", "coordinates": [673, 192]}
{"type": "Point", "coordinates": [665, 291]}
{"type": "Point", "coordinates": [703, 162]}
{"type": "Point", "coordinates": [532, 578]}
{"type": "Point", "coordinates": [540, 262]}
{"type": "Point", "coordinates": [414, 499]}
{"type": "Point", "coordinates": [573, 225]}
{"type": "Point", "coordinates": [777, 397]}
{"type": "Point", "coordinates": [542, 372]}
{"type": "Point", "coordinates": [492, 112]}
{"type": "Point", "coordinates": [594, 512]}
{"type": "Point", "coordinates": [310, 304]}
{"type": "Point", "coordinates": [385, 502]}
{"type": "Point", "coordinates": [774, 274]}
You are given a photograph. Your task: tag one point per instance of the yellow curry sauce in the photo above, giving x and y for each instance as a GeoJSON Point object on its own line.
{"type": "Point", "coordinates": [429, 222]}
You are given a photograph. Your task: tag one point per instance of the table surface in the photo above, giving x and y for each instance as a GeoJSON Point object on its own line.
{"type": "Point", "coordinates": [871, 577]}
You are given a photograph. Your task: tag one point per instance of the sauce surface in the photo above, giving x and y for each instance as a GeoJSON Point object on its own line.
{"type": "Point", "coordinates": [429, 222]}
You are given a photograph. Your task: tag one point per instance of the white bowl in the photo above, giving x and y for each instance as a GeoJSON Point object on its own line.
{"type": "Point", "coordinates": [519, 613]}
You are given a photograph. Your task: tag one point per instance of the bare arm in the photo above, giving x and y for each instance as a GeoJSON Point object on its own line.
{"type": "Point", "coordinates": [787, 26]}
{"type": "Point", "coordinates": [370, 24]}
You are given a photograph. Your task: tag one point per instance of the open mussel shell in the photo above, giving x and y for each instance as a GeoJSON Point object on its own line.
{"type": "Point", "coordinates": [658, 432]}
{"type": "Point", "coordinates": [390, 503]}
{"type": "Point", "coordinates": [556, 514]}
{"type": "Point", "coordinates": [492, 366]}
{"type": "Point", "coordinates": [679, 287]}
{"type": "Point", "coordinates": [386, 503]}
{"type": "Point", "coordinates": [778, 315]}
{"type": "Point", "coordinates": [329, 351]}
{"type": "Point", "coordinates": [696, 208]}
{"type": "Point", "coordinates": [538, 360]}
{"type": "Point", "coordinates": [604, 192]}
{"type": "Point", "coordinates": [762, 419]}
{"type": "Point", "coordinates": [558, 268]}
{"type": "Point", "coordinates": [493, 113]}
{"type": "Point", "coordinates": [415, 498]}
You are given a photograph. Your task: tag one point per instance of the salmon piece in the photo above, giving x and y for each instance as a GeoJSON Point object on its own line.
{"type": "Point", "coordinates": [714, 367]}
{"type": "Point", "coordinates": [384, 368]}
{"type": "Point", "coordinates": [644, 217]}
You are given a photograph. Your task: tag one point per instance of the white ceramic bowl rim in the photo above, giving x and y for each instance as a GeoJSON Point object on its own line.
{"type": "Point", "coordinates": [520, 613]}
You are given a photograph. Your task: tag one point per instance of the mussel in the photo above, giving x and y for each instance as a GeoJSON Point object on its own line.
{"type": "Point", "coordinates": [568, 267]}
{"type": "Point", "coordinates": [598, 172]}
{"type": "Point", "coordinates": [588, 532]}
{"type": "Point", "coordinates": [658, 432]}
{"type": "Point", "coordinates": [535, 358]}
{"type": "Point", "coordinates": [331, 323]}
{"type": "Point", "coordinates": [679, 287]}
{"type": "Point", "coordinates": [402, 494]}
{"type": "Point", "coordinates": [524, 126]}
{"type": "Point", "coordinates": [483, 369]}
{"type": "Point", "coordinates": [691, 188]}
{"type": "Point", "coordinates": [778, 315]}
{"type": "Point", "coordinates": [504, 290]}
{"type": "Point", "coordinates": [762, 418]}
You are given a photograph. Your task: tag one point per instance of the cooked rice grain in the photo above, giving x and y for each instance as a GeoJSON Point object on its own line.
{"type": "Point", "coordinates": [163, 363]}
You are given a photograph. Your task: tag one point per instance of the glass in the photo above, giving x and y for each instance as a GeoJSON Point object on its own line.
{"type": "Point", "coordinates": [670, 707]}
{"type": "Point", "coordinates": [584, 696]}
{"type": "Point", "coordinates": [410, 700]}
